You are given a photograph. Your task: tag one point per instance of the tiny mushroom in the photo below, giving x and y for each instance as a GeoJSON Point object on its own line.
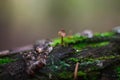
{"type": "Point", "coordinates": [62, 34]}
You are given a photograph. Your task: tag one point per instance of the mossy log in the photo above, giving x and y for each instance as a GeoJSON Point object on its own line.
{"type": "Point", "coordinates": [95, 63]}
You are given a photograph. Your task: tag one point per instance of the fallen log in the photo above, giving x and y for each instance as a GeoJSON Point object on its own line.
{"type": "Point", "coordinates": [59, 63]}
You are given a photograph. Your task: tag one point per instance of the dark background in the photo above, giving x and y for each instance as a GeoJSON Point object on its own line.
{"type": "Point", "coordinates": [24, 21]}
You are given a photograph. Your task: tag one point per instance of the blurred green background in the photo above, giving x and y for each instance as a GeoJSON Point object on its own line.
{"type": "Point", "coordinates": [24, 21]}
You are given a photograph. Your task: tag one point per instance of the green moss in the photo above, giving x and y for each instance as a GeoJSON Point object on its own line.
{"type": "Point", "coordinates": [81, 73]}
{"type": "Point", "coordinates": [84, 45]}
{"type": "Point", "coordinates": [6, 60]}
{"type": "Point", "coordinates": [66, 75]}
{"type": "Point", "coordinates": [74, 59]}
{"type": "Point", "coordinates": [68, 40]}
{"type": "Point", "coordinates": [80, 46]}
{"type": "Point", "coordinates": [75, 38]}
{"type": "Point", "coordinates": [102, 58]}
{"type": "Point", "coordinates": [79, 42]}
{"type": "Point", "coordinates": [69, 75]}
{"type": "Point", "coordinates": [90, 60]}
{"type": "Point", "coordinates": [118, 72]}
{"type": "Point", "coordinates": [105, 34]}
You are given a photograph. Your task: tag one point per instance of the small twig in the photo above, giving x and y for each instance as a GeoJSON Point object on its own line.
{"type": "Point", "coordinates": [4, 53]}
{"type": "Point", "coordinates": [15, 51]}
{"type": "Point", "coordinates": [22, 49]}
{"type": "Point", "coordinates": [76, 70]}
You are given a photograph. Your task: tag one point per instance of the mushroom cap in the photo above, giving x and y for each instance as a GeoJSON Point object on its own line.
{"type": "Point", "coordinates": [62, 33]}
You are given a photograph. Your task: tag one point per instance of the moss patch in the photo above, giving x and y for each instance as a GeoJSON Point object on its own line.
{"type": "Point", "coordinates": [6, 60]}
{"type": "Point", "coordinates": [66, 75]}
{"type": "Point", "coordinates": [80, 42]}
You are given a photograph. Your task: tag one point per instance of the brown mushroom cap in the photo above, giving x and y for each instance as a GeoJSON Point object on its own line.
{"type": "Point", "coordinates": [62, 33]}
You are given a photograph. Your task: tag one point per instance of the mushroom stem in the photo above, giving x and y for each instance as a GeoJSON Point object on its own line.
{"type": "Point", "coordinates": [76, 71]}
{"type": "Point", "coordinates": [62, 34]}
{"type": "Point", "coordinates": [62, 41]}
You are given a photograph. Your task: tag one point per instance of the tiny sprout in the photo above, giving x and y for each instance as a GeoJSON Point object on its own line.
{"type": "Point", "coordinates": [62, 34]}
